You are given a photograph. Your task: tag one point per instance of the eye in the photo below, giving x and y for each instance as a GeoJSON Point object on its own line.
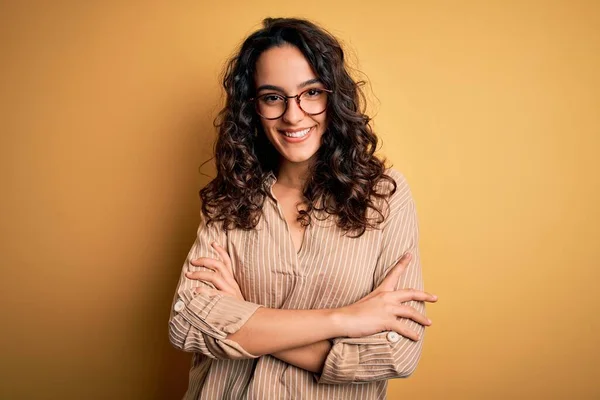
{"type": "Point", "coordinates": [311, 93]}
{"type": "Point", "coordinates": [271, 98]}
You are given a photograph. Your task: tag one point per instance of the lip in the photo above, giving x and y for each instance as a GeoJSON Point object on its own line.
{"type": "Point", "coordinates": [293, 139]}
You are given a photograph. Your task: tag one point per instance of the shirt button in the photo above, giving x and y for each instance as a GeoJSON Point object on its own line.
{"type": "Point", "coordinates": [179, 306]}
{"type": "Point", "coordinates": [393, 337]}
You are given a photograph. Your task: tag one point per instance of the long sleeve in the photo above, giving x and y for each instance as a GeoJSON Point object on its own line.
{"type": "Point", "coordinates": [201, 322]}
{"type": "Point", "coordinates": [385, 355]}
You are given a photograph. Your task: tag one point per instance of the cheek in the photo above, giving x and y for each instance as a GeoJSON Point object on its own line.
{"type": "Point", "coordinates": [322, 121]}
{"type": "Point", "coordinates": [267, 125]}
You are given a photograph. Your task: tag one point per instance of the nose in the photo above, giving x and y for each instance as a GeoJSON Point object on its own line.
{"type": "Point", "coordinates": [294, 113]}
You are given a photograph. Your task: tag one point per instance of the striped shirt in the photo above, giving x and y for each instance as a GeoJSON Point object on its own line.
{"type": "Point", "coordinates": [331, 270]}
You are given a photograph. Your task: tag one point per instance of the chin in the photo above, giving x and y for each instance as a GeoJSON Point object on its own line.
{"type": "Point", "coordinates": [299, 158]}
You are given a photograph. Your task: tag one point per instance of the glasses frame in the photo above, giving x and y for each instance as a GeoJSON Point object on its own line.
{"type": "Point", "coordinates": [297, 97]}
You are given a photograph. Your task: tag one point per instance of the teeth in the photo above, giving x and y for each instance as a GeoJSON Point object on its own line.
{"type": "Point", "coordinates": [296, 134]}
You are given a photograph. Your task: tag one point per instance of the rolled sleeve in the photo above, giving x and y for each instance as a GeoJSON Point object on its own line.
{"type": "Point", "coordinates": [370, 359]}
{"type": "Point", "coordinates": [385, 355]}
{"type": "Point", "coordinates": [201, 322]}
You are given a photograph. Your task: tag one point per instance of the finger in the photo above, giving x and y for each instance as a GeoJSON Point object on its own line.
{"type": "Point", "coordinates": [210, 263]}
{"type": "Point", "coordinates": [403, 295]}
{"type": "Point", "coordinates": [400, 266]}
{"type": "Point", "coordinates": [206, 276]}
{"type": "Point", "coordinates": [403, 330]}
{"type": "Point", "coordinates": [411, 313]}
{"type": "Point", "coordinates": [224, 256]}
{"type": "Point", "coordinates": [206, 290]}
{"type": "Point", "coordinates": [218, 267]}
{"type": "Point", "coordinates": [393, 276]}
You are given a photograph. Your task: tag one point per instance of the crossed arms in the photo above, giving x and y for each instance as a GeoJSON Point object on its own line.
{"type": "Point", "coordinates": [378, 337]}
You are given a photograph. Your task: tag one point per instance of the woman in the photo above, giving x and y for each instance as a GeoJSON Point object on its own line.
{"type": "Point", "coordinates": [304, 277]}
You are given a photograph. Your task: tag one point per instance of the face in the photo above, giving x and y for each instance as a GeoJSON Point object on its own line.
{"type": "Point", "coordinates": [284, 71]}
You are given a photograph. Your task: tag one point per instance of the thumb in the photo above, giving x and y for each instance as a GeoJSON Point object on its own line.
{"type": "Point", "coordinates": [393, 276]}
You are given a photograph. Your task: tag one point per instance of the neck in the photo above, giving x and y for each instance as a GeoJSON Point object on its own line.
{"type": "Point", "coordinates": [293, 175]}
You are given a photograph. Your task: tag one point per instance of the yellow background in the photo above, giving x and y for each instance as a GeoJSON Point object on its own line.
{"type": "Point", "coordinates": [490, 108]}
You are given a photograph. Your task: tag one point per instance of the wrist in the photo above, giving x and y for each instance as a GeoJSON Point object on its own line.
{"type": "Point", "coordinates": [337, 320]}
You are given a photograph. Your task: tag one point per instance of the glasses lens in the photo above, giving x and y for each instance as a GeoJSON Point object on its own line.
{"type": "Point", "coordinates": [271, 105]}
{"type": "Point", "coordinates": [313, 101]}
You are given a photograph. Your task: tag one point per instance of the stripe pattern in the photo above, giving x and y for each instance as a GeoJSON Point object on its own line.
{"type": "Point", "coordinates": [331, 270]}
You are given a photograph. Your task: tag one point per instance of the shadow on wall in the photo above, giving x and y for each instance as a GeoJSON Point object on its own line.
{"type": "Point", "coordinates": [171, 376]}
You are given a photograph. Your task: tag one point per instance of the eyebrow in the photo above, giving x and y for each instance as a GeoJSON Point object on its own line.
{"type": "Point", "coordinates": [280, 89]}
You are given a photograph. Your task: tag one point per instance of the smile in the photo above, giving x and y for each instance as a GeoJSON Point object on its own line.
{"type": "Point", "coordinates": [296, 134]}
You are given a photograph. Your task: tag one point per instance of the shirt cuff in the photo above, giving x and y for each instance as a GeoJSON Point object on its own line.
{"type": "Point", "coordinates": [216, 315]}
{"type": "Point", "coordinates": [354, 360]}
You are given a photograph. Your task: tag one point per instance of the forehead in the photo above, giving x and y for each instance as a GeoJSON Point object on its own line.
{"type": "Point", "coordinates": [283, 66]}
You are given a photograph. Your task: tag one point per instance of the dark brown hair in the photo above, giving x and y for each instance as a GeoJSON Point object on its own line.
{"type": "Point", "coordinates": [345, 180]}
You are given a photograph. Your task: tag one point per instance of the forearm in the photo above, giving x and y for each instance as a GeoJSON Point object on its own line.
{"type": "Point", "coordinates": [310, 357]}
{"type": "Point", "coordinates": [270, 331]}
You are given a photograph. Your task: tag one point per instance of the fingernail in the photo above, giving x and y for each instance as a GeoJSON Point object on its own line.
{"type": "Point", "coordinates": [429, 321]}
{"type": "Point", "coordinates": [407, 255]}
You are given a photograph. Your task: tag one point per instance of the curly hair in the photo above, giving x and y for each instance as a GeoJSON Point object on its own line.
{"type": "Point", "coordinates": [346, 178]}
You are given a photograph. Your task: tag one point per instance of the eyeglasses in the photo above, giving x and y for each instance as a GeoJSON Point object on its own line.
{"type": "Point", "coordinates": [274, 105]}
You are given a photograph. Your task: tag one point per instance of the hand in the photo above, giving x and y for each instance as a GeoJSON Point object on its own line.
{"type": "Point", "coordinates": [220, 274]}
{"type": "Point", "coordinates": [379, 310]}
